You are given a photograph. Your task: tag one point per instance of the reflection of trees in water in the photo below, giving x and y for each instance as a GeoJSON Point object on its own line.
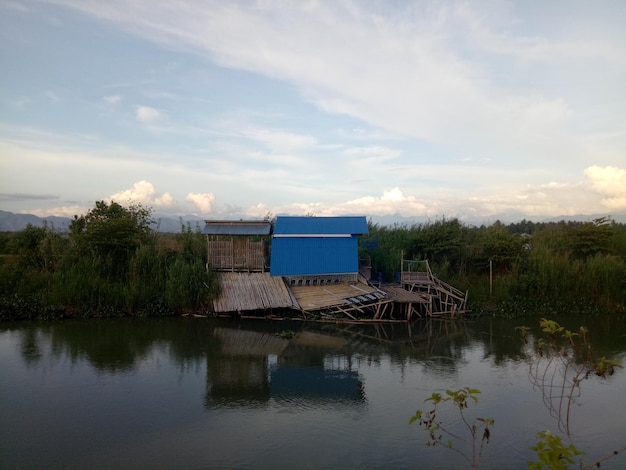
{"type": "Point", "coordinates": [560, 360]}
{"type": "Point", "coordinates": [433, 340]}
{"type": "Point", "coordinates": [112, 345]}
{"type": "Point", "coordinates": [30, 346]}
{"type": "Point", "coordinates": [501, 343]}
{"type": "Point", "coordinates": [239, 370]}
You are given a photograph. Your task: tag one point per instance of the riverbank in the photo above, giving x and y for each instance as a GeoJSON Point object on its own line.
{"type": "Point", "coordinates": [24, 307]}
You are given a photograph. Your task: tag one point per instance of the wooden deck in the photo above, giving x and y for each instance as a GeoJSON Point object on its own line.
{"type": "Point", "coordinates": [405, 304]}
{"type": "Point", "coordinates": [343, 297]}
{"type": "Point", "coordinates": [420, 294]}
{"type": "Point", "coordinates": [241, 292]}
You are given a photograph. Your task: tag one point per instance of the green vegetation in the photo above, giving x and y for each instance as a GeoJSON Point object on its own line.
{"type": "Point", "coordinates": [110, 264]}
{"type": "Point", "coordinates": [479, 429]}
{"type": "Point", "coordinates": [559, 362]}
{"type": "Point", "coordinates": [516, 269]}
{"type": "Point", "coordinates": [562, 360]}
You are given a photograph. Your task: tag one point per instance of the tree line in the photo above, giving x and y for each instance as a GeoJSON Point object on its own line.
{"type": "Point", "coordinates": [515, 268]}
{"type": "Point", "coordinates": [112, 262]}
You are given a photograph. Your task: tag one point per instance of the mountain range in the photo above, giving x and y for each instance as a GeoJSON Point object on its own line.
{"type": "Point", "coordinates": [11, 222]}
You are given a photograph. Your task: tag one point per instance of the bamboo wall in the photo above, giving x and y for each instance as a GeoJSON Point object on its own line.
{"type": "Point", "coordinates": [236, 254]}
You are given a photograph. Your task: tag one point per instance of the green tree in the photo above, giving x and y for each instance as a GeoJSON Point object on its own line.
{"type": "Point", "coordinates": [36, 247]}
{"type": "Point", "coordinates": [590, 239]}
{"type": "Point", "coordinates": [501, 247]}
{"type": "Point", "coordinates": [112, 233]}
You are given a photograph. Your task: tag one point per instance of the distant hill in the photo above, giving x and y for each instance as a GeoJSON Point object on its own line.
{"type": "Point", "coordinates": [505, 218]}
{"type": "Point", "coordinates": [10, 222]}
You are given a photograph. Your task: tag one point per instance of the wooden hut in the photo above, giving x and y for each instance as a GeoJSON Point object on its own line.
{"type": "Point", "coordinates": [237, 245]}
{"type": "Point", "coordinates": [238, 251]}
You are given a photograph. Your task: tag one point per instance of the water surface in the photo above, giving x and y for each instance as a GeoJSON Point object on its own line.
{"type": "Point", "coordinates": [195, 393]}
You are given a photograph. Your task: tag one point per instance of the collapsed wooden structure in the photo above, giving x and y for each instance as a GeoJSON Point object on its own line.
{"type": "Point", "coordinates": [350, 299]}
{"type": "Point", "coordinates": [437, 297]}
{"type": "Point", "coordinates": [315, 273]}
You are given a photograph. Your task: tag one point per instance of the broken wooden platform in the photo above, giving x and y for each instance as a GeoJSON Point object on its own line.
{"type": "Point", "coordinates": [242, 292]}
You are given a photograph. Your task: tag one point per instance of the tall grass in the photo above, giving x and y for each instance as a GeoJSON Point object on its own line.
{"type": "Point", "coordinates": [38, 274]}
{"type": "Point", "coordinates": [564, 264]}
{"type": "Point", "coordinates": [561, 263]}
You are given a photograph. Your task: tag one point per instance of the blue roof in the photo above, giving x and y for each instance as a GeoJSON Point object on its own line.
{"type": "Point", "coordinates": [348, 225]}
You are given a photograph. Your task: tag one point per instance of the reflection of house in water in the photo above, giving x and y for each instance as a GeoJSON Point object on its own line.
{"type": "Point", "coordinates": [256, 367]}
{"type": "Point", "coordinates": [238, 377]}
{"type": "Point", "coordinates": [316, 383]}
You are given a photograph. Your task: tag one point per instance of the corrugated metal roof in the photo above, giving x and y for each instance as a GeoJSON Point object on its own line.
{"type": "Point", "coordinates": [352, 225]}
{"type": "Point", "coordinates": [312, 256]}
{"type": "Point", "coordinates": [237, 227]}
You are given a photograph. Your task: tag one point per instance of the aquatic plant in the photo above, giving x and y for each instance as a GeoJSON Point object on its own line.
{"type": "Point", "coordinates": [479, 429]}
{"type": "Point", "coordinates": [559, 361]}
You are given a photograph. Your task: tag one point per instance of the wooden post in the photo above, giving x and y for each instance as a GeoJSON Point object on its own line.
{"type": "Point", "coordinates": [490, 278]}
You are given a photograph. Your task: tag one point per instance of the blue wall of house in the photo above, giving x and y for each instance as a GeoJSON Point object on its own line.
{"type": "Point", "coordinates": [311, 256]}
{"type": "Point", "coordinates": [316, 245]}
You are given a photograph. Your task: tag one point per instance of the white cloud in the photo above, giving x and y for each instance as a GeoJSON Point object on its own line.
{"type": "Point", "coordinates": [61, 211]}
{"type": "Point", "coordinates": [144, 192]}
{"type": "Point", "coordinates": [418, 108]}
{"type": "Point", "coordinates": [203, 201]}
{"type": "Point", "coordinates": [146, 114]}
{"type": "Point", "coordinates": [392, 201]}
{"type": "Point", "coordinates": [610, 182]}
{"type": "Point", "coordinates": [459, 74]}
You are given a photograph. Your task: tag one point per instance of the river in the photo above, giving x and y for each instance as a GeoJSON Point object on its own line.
{"type": "Point", "coordinates": [208, 393]}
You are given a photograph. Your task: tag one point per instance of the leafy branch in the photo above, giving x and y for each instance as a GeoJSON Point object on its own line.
{"type": "Point", "coordinates": [479, 429]}
{"type": "Point", "coordinates": [558, 363]}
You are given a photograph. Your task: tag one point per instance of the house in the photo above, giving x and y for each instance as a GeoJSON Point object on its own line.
{"type": "Point", "coordinates": [237, 245]}
{"type": "Point", "coordinates": [315, 272]}
{"type": "Point", "coordinates": [317, 247]}
{"type": "Point", "coordinates": [318, 257]}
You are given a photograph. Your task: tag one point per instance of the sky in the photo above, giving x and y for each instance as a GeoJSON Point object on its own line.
{"type": "Point", "coordinates": [242, 109]}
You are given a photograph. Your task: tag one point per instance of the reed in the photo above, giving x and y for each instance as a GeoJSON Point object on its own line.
{"type": "Point", "coordinates": [559, 264]}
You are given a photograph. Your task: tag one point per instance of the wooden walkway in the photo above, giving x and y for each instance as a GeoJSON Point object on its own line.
{"type": "Point", "coordinates": [241, 292]}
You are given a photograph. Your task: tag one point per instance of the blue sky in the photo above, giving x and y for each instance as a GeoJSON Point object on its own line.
{"type": "Point", "coordinates": [464, 109]}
